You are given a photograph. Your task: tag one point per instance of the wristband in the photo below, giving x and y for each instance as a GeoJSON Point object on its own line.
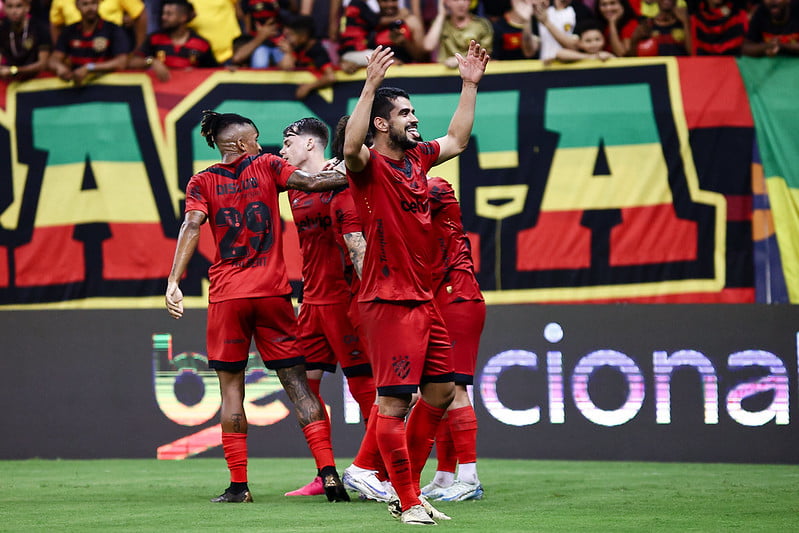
{"type": "Point", "coordinates": [148, 60]}
{"type": "Point", "coordinates": [13, 70]}
{"type": "Point", "coordinates": [90, 67]}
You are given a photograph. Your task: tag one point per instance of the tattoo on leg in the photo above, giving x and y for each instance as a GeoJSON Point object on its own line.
{"type": "Point", "coordinates": [306, 404]}
{"type": "Point", "coordinates": [237, 418]}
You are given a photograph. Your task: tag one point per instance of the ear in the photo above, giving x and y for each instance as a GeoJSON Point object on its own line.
{"type": "Point", "coordinates": [310, 143]}
{"type": "Point", "coordinates": [381, 124]}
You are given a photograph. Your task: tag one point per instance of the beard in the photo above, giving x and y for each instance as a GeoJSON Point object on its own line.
{"type": "Point", "coordinates": [401, 139]}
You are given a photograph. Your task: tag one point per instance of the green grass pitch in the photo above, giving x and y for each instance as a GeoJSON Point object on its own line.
{"type": "Point", "coordinates": [149, 495]}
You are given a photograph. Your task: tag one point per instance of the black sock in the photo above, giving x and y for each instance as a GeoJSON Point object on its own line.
{"type": "Point", "coordinates": [237, 488]}
{"type": "Point", "coordinates": [326, 471]}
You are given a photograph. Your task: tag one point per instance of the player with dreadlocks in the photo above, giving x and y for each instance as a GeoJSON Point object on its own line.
{"type": "Point", "coordinates": [249, 295]}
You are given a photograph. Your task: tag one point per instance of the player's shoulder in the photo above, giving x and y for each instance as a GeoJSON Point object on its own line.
{"type": "Point", "coordinates": [427, 148]}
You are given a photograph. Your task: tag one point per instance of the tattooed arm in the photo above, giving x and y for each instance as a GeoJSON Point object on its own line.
{"type": "Point", "coordinates": [356, 245]}
{"type": "Point", "coordinates": [323, 181]}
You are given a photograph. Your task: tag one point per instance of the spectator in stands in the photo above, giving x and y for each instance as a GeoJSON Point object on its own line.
{"type": "Point", "coordinates": [591, 44]}
{"type": "Point", "coordinates": [174, 46]}
{"type": "Point", "coordinates": [244, 45]}
{"type": "Point", "coordinates": [665, 34]}
{"type": "Point", "coordinates": [129, 14]}
{"type": "Point", "coordinates": [392, 26]}
{"type": "Point", "coordinates": [494, 10]}
{"type": "Point", "coordinates": [556, 25]}
{"type": "Point", "coordinates": [618, 22]}
{"type": "Point", "coordinates": [337, 15]}
{"type": "Point", "coordinates": [24, 43]}
{"type": "Point", "coordinates": [773, 29]}
{"type": "Point", "coordinates": [454, 28]}
{"type": "Point", "coordinates": [216, 21]}
{"type": "Point", "coordinates": [92, 45]}
{"type": "Point", "coordinates": [257, 15]}
{"type": "Point", "coordinates": [718, 27]}
{"type": "Point", "coordinates": [513, 33]}
{"type": "Point", "coordinates": [302, 50]}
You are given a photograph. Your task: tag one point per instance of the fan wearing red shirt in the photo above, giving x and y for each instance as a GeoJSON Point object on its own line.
{"type": "Point", "coordinates": [302, 50]}
{"type": "Point", "coordinates": [249, 294]}
{"type": "Point", "coordinates": [406, 336]}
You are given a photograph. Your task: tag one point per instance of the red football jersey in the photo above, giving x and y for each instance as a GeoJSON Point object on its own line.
{"type": "Point", "coordinates": [452, 250]}
{"type": "Point", "coordinates": [322, 259]}
{"type": "Point", "coordinates": [240, 200]}
{"type": "Point", "coordinates": [392, 201]}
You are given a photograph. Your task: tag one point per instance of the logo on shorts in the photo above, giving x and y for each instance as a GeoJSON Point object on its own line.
{"type": "Point", "coordinates": [401, 365]}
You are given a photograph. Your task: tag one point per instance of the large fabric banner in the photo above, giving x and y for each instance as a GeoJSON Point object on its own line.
{"type": "Point", "coordinates": [629, 180]}
{"type": "Point", "coordinates": [771, 86]}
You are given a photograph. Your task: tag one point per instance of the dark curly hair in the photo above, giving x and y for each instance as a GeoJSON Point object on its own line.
{"type": "Point", "coordinates": [213, 123]}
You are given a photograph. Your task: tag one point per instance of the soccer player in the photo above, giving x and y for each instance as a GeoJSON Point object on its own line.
{"type": "Point", "coordinates": [405, 333]}
{"type": "Point", "coordinates": [326, 335]}
{"type": "Point", "coordinates": [462, 305]}
{"type": "Point", "coordinates": [249, 293]}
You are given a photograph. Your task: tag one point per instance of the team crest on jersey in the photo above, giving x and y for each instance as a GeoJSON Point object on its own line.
{"type": "Point", "coordinates": [401, 365]}
{"type": "Point", "coordinates": [100, 44]}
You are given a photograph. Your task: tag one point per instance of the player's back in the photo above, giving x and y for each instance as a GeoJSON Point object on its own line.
{"type": "Point", "coordinates": [240, 200]}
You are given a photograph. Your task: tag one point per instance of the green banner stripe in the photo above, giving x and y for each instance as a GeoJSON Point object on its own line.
{"type": "Point", "coordinates": [617, 114]}
{"type": "Point", "coordinates": [103, 131]}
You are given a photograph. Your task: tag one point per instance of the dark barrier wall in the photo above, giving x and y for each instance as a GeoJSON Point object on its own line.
{"type": "Point", "coordinates": [638, 382]}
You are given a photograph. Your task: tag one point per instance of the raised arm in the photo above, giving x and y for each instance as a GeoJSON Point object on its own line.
{"type": "Point", "coordinates": [188, 239]}
{"type": "Point", "coordinates": [356, 153]}
{"type": "Point", "coordinates": [472, 67]}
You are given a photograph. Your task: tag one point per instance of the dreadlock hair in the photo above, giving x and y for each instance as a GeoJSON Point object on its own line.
{"type": "Point", "coordinates": [383, 104]}
{"type": "Point", "coordinates": [337, 146]}
{"type": "Point", "coordinates": [213, 123]}
{"type": "Point", "coordinates": [309, 126]}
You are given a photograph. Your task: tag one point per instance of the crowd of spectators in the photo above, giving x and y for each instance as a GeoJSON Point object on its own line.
{"type": "Point", "coordinates": [78, 39]}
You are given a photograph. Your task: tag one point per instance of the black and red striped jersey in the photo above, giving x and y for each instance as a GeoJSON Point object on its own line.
{"type": "Point", "coordinates": [718, 30]}
{"type": "Point", "coordinates": [80, 48]}
{"type": "Point", "coordinates": [359, 23]}
{"type": "Point", "coordinates": [195, 52]}
{"type": "Point", "coordinates": [315, 58]}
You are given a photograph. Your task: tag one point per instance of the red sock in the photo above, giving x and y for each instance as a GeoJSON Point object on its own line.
{"type": "Point", "coordinates": [445, 450]}
{"type": "Point", "coordinates": [362, 389]}
{"type": "Point", "coordinates": [315, 385]}
{"type": "Point", "coordinates": [235, 448]}
{"type": "Point", "coordinates": [423, 425]}
{"type": "Point", "coordinates": [394, 449]}
{"type": "Point", "coordinates": [368, 453]}
{"type": "Point", "coordinates": [317, 434]}
{"type": "Point", "coordinates": [463, 425]}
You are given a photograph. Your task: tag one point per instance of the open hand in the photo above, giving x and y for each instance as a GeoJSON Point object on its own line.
{"type": "Point", "coordinates": [473, 66]}
{"type": "Point", "coordinates": [377, 65]}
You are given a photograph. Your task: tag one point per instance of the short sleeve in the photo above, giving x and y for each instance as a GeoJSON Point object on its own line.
{"type": "Point", "coordinates": [279, 169]}
{"type": "Point", "coordinates": [428, 153]}
{"type": "Point", "coordinates": [195, 196]}
{"type": "Point", "coordinates": [345, 219]}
